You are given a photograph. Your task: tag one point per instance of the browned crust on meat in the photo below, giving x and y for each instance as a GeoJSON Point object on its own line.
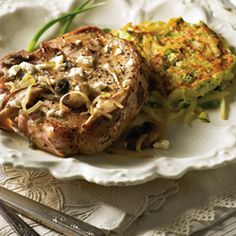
{"type": "Point", "coordinates": [73, 134]}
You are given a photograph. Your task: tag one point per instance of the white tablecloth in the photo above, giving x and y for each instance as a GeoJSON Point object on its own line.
{"type": "Point", "coordinates": [159, 207]}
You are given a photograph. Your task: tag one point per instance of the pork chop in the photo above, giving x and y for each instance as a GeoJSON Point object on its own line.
{"type": "Point", "coordinates": [76, 94]}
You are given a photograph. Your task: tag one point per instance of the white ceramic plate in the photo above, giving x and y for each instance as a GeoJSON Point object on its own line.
{"type": "Point", "coordinates": [201, 146]}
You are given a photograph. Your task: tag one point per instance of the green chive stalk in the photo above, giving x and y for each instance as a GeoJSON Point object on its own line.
{"type": "Point", "coordinates": [69, 20]}
{"type": "Point", "coordinates": [68, 17]}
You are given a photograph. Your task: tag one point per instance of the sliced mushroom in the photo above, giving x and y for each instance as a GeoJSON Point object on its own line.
{"type": "Point", "coordinates": [75, 100]}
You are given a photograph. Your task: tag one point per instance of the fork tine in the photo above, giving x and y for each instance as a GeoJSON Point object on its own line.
{"type": "Point", "coordinates": [20, 227]}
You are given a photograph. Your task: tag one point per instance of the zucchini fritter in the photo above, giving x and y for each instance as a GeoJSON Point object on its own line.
{"type": "Point", "coordinates": [187, 60]}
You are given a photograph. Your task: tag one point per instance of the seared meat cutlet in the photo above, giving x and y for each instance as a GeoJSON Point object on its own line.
{"type": "Point", "coordinates": [76, 94]}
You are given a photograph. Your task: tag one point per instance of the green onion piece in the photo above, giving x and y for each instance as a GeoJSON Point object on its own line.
{"type": "Point", "coordinates": [224, 109]}
{"type": "Point", "coordinates": [27, 80]}
{"type": "Point", "coordinates": [34, 107]}
{"type": "Point", "coordinates": [66, 26]}
{"type": "Point", "coordinates": [203, 116]}
{"type": "Point", "coordinates": [68, 21]}
{"type": "Point", "coordinates": [39, 33]}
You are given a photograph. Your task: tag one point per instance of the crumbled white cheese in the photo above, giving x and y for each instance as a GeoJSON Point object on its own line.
{"type": "Point", "coordinates": [41, 78]}
{"type": "Point", "coordinates": [77, 88]}
{"type": "Point", "coordinates": [2, 97]}
{"type": "Point", "coordinates": [75, 71]}
{"type": "Point", "coordinates": [179, 63]}
{"type": "Point", "coordinates": [126, 82]}
{"type": "Point", "coordinates": [85, 60]}
{"type": "Point", "coordinates": [52, 81]}
{"type": "Point", "coordinates": [115, 77]}
{"type": "Point", "coordinates": [14, 70]}
{"type": "Point", "coordinates": [60, 113]}
{"type": "Point", "coordinates": [44, 109]}
{"type": "Point", "coordinates": [163, 144]}
{"type": "Point", "coordinates": [118, 51]}
{"type": "Point", "coordinates": [24, 66]}
{"type": "Point", "coordinates": [15, 101]}
{"type": "Point", "coordinates": [78, 42]}
{"type": "Point", "coordinates": [28, 67]}
{"type": "Point", "coordinates": [130, 62]}
{"type": "Point", "coordinates": [42, 66]}
{"type": "Point", "coordinates": [49, 129]}
{"type": "Point", "coordinates": [55, 113]}
{"type": "Point", "coordinates": [106, 66]}
{"type": "Point", "coordinates": [98, 86]}
{"type": "Point", "coordinates": [59, 62]}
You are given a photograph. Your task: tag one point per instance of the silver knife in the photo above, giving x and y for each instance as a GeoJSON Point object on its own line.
{"type": "Point", "coordinates": [217, 224]}
{"type": "Point", "coordinates": [19, 226]}
{"type": "Point", "coordinates": [47, 216]}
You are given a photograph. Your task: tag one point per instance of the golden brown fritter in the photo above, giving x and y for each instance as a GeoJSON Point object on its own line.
{"type": "Point", "coordinates": [186, 59]}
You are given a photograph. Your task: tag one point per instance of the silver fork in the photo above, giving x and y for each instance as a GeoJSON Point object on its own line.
{"type": "Point", "coordinates": [47, 216]}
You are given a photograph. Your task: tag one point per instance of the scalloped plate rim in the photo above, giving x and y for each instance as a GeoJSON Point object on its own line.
{"type": "Point", "coordinates": [119, 176]}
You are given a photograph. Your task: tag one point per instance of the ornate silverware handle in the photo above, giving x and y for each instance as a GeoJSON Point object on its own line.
{"type": "Point", "coordinates": [47, 216]}
{"type": "Point", "coordinates": [215, 225]}
{"type": "Point", "coordinates": [20, 227]}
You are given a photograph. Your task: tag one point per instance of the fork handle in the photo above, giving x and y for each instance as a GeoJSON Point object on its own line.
{"type": "Point", "coordinates": [20, 227]}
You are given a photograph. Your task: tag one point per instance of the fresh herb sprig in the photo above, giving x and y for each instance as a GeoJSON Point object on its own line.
{"type": "Point", "coordinates": [67, 18]}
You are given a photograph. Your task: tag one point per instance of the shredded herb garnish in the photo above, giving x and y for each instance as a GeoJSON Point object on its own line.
{"type": "Point", "coordinates": [67, 18]}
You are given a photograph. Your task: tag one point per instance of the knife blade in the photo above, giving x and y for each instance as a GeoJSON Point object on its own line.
{"type": "Point", "coordinates": [47, 216]}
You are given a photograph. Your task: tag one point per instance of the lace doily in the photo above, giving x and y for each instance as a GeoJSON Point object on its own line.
{"type": "Point", "coordinates": [200, 218]}
{"type": "Point", "coordinates": [205, 202]}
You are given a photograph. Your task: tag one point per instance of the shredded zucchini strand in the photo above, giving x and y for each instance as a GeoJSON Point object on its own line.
{"type": "Point", "coordinates": [190, 112]}
{"type": "Point", "coordinates": [213, 96]}
{"type": "Point", "coordinates": [152, 114]}
{"type": "Point", "coordinates": [174, 116]}
{"type": "Point", "coordinates": [224, 109]}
